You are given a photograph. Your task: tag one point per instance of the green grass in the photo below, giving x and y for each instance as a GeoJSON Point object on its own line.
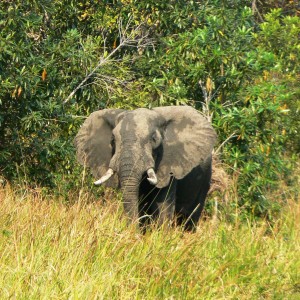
{"type": "Point", "coordinates": [49, 250]}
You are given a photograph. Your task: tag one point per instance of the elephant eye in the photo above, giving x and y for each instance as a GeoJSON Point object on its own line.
{"type": "Point", "coordinates": [155, 139]}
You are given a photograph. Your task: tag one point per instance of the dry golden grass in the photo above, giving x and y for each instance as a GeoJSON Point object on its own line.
{"type": "Point", "coordinates": [50, 250]}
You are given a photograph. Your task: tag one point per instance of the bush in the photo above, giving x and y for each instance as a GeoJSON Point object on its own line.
{"type": "Point", "coordinates": [250, 71]}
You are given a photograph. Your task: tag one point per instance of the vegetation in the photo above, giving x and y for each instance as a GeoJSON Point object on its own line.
{"type": "Point", "coordinates": [50, 250]}
{"type": "Point", "coordinates": [61, 60]}
{"type": "Point", "coordinates": [237, 61]}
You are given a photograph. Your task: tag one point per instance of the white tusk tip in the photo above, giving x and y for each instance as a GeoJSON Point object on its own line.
{"type": "Point", "coordinates": [105, 177]}
{"type": "Point", "coordinates": [98, 182]}
{"type": "Point", "coordinates": [152, 181]}
{"type": "Point", "coordinates": [152, 176]}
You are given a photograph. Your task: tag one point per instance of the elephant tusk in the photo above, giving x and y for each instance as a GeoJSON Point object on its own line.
{"type": "Point", "coordinates": [152, 176]}
{"type": "Point", "coordinates": [105, 177]}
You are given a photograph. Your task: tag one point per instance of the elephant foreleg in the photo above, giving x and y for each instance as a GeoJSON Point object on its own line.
{"type": "Point", "coordinates": [166, 203]}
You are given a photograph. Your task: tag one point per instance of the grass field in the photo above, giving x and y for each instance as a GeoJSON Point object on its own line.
{"type": "Point", "coordinates": [49, 250]}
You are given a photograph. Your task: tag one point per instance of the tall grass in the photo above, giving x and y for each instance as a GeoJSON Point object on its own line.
{"type": "Point", "coordinates": [49, 250]}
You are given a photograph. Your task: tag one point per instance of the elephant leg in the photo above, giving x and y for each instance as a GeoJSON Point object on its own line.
{"type": "Point", "coordinates": [147, 194]}
{"type": "Point", "coordinates": [188, 216]}
{"type": "Point", "coordinates": [189, 220]}
{"type": "Point", "coordinates": [158, 204]}
{"type": "Point", "coordinates": [165, 203]}
{"type": "Point", "coordinates": [190, 197]}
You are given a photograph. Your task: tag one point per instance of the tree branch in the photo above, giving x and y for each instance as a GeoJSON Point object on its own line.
{"type": "Point", "coordinates": [220, 147]}
{"type": "Point", "coordinates": [255, 9]}
{"type": "Point", "coordinates": [207, 90]}
{"type": "Point", "coordinates": [127, 37]}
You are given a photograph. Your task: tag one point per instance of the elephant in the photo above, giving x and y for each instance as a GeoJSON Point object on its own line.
{"type": "Point", "coordinates": [160, 158]}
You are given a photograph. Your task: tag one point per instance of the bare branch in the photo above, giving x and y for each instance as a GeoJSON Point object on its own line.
{"type": "Point", "coordinates": [128, 37]}
{"type": "Point", "coordinates": [255, 9]}
{"type": "Point", "coordinates": [109, 79]}
{"type": "Point", "coordinates": [208, 95]}
{"type": "Point", "coordinates": [220, 147]}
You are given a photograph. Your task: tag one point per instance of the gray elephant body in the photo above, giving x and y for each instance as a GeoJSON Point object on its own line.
{"type": "Point", "coordinates": [176, 142]}
{"type": "Point", "coordinates": [183, 198]}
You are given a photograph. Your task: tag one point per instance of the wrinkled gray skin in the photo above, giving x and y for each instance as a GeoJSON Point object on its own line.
{"type": "Point", "coordinates": [175, 141]}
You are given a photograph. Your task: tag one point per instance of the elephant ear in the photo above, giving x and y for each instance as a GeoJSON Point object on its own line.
{"type": "Point", "coordinates": [93, 142]}
{"type": "Point", "coordinates": [188, 141]}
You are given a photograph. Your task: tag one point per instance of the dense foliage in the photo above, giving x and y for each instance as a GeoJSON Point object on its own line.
{"type": "Point", "coordinates": [246, 57]}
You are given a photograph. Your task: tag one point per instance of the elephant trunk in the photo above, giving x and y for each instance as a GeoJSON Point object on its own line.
{"type": "Point", "coordinates": [130, 189]}
{"type": "Point", "coordinates": [130, 179]}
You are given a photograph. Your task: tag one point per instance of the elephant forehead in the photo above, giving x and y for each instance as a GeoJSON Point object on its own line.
{"type": "Point", "coordinates": [130, 129]}
{"type": "Point", "coordinates": [142, 123]}
{"type": "Point", "coordinates": [137, 123]}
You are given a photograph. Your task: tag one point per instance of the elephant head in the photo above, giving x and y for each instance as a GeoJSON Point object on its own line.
{"type": "Point", "coordinates": [123, 146]}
